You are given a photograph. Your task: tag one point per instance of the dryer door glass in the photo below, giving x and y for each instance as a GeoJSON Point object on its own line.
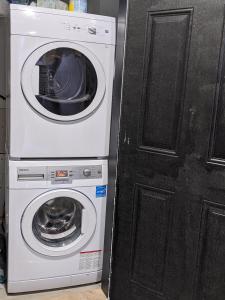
{"type": "Point", "coordinates": [67, 81]}
{"type": "Point", "coordinates": [58, 222]}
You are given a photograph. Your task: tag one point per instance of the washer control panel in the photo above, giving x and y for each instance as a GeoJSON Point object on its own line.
{"type": "Point", "coordinates": [61, 174]}
{"type": "Point", "coordinates": [68, 174]}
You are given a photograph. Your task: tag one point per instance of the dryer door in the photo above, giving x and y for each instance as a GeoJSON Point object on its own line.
{"type": "Point", "coordinates": [59, 222]}
{"type": "Point", "coordinates": [63, 81]}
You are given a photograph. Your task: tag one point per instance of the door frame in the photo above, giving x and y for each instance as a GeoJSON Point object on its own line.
{"type": "Point", "coordinates": [114, 142]}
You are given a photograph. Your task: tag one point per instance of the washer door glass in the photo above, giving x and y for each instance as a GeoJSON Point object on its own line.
{"type": "Point", "coordinates": [63, 81]}
{"type": "Point", "coordinates": [67, 81]}
{"type": "Point", "coordinates": [58, 222]}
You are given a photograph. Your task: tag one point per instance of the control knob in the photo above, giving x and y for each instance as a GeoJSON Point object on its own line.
{"type": "Point", "coordinates": [87, 172]}
{"type": "Point", "coordinates": [92, 30]}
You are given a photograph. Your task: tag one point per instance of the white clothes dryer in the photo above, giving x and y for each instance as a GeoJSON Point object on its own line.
{"type": "Point", "coordinates": [61, 77]}
{"type": "Point", "coordinates": [55, 222]}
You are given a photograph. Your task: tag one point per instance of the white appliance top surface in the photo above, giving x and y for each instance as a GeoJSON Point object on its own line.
{"type": "Point", "coordinates": [43, 10]}
{"type": "Point", "coordinates": [59, 24]}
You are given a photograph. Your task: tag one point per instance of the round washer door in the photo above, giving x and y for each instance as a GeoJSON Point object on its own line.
{"type": "Point", "coordinates": [59, 222]}
{"type": "Point", "coordinates": [63, 81]}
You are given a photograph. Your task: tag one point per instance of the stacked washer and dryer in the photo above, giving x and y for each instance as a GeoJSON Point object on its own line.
{"type": "Point", "coordinates": [59, 113]}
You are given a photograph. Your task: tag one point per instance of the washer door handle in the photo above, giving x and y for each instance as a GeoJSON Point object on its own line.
{"type": "Point", "coordinates": [36, 80]}
{"type": "Point", "coordinates": [84, 225]}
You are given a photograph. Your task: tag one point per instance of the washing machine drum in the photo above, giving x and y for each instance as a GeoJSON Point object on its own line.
{"type": "Point", "coordinates": [63, 81]}
{"type": "Point", "coordinates": [59, 222]}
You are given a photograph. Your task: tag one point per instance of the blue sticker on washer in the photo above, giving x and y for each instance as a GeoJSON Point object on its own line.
{"type": "Point", "coordinates": [101, 191]}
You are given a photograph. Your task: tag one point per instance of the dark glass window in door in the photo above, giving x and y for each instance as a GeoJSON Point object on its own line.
{"type": "Point", "coordinates": [58, 222]}
{"type": "Point", "coordinates": [67, 81]}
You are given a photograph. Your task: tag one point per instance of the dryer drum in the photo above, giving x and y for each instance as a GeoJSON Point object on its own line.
{"type": "Point", "coordinates": [67, 81]}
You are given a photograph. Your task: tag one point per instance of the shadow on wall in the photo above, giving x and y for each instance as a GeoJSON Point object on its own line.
{"type": "Point", "coordinates": [104, 7]}
{"type": "Point", "coordinates": [2, 255]}
{"type": "Point", "coordinates": [2, 179]}
{"type": "Point", "coordinates": [2, 157]}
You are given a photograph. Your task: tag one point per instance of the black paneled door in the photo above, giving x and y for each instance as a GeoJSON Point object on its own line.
{"type": "Point", "coordinates": [170, 214]}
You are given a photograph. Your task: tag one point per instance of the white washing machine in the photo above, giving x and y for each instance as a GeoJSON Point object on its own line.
{"type": "Point", "coordinates": [55, 222]}
{"type": "Point", "coordinates": [61, 78]}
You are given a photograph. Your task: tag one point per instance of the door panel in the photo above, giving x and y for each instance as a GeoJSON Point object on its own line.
{"type": "Point", "coordinates": [163, 93]}
{"type": "Point", "coordinates": [211, 271]}
{"type": "Point", "coordinates": [169, 237]}
{"type": "Point", "coordinates": [217, 142]}
{"type": "Point", "coordinates": [151, 218]}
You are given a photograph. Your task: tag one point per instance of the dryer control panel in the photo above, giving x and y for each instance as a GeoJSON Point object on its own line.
{"type": "Point", "coordinates": [62, 25]}
{"type": "Point", "coordinates": [59, 174]}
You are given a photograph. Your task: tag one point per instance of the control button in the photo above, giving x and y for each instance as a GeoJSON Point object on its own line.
{"type": "Point", "coordinates": [67, 26]}
{"type": "Point", "coordinates": [87, 172]}
{"type": "Point", "coordinates": [92, 30]}
{"type": "Point", "coordinates": [106, 31]}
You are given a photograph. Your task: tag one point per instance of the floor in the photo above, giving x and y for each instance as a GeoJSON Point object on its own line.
{"type": "Point", "coordinates": [91, 292]}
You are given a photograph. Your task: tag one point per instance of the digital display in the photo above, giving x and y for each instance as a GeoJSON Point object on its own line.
{"type": "Point", "coordinates": [61, 174]}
